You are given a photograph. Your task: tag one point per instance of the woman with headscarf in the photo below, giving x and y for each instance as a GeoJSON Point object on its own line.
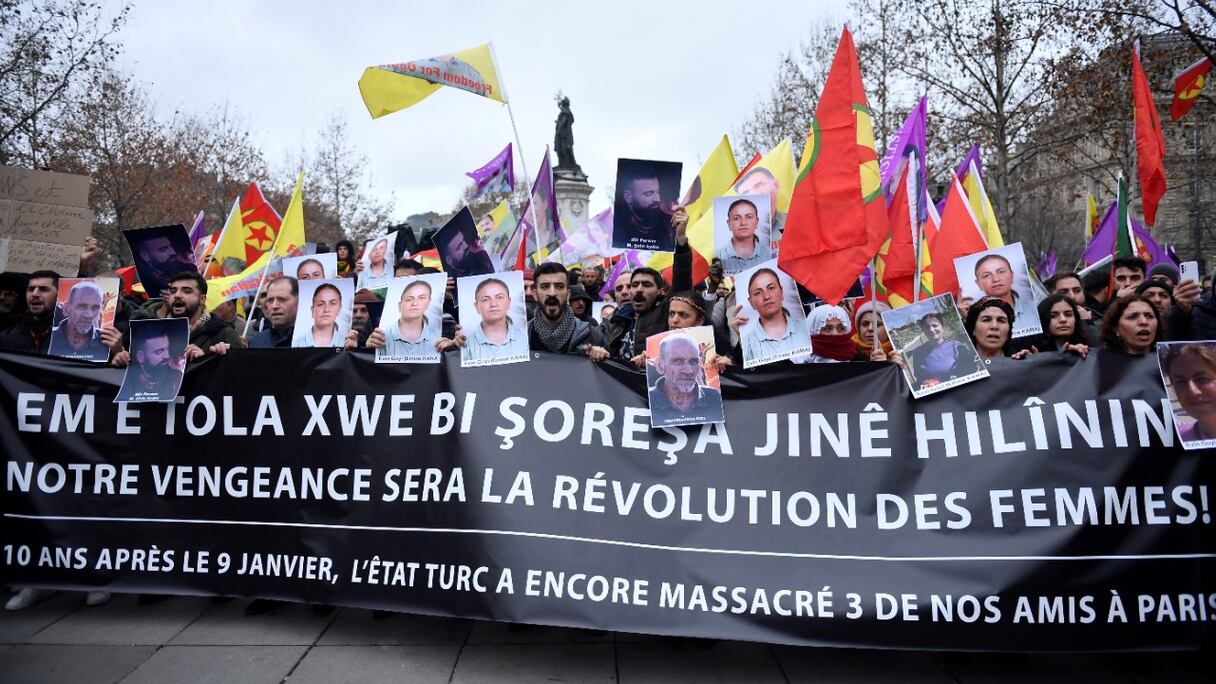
{"type": "Point", "coordinates": [1132, 325]}
{"type": "Point", "coordinates": [345, 250]}
{"type": "Point", "coordinates": [1063, 327]}
{"type": "Point", "coordinates": [1191, 369]}
{"type": "Point", "coordinates": [990, 325]}
{"type": "Point", "coordinates": [865, 318]}
{"type": "Point", "coordinates": [830, 328]}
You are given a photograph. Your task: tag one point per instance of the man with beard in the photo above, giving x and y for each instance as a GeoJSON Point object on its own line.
{"type": "Point", "coordinates": [761, 181]}
{"type": "Point", "coordinates": [677, 397]}
{"type": "Point", "coordinates": [994, 275]}
{"type": "Point", "coordinates": [161, 261]}
{"type": "Point", "coordinates": [185, 298]}
{"type": "Point", "coordinates": [592, 280]}
{"type": "Point", "coordinates": [771, 335]}
{"type": "Point", "coordinates": [646, 311]}
{"type": "Point", "coordinates": [79, 335]}
{"type": "Point", "coordinates": [557, 329]}
{"type": "Point", "coordinates": [463, 254]}
{"type": "Point", "coordinates": [153, 360]}
{"type": "Point", "coordinates": [360, 316]}
{"type": "Point", "coordinates": [643, 222]}
{"type": "Point", "coordinates": [32, 331]}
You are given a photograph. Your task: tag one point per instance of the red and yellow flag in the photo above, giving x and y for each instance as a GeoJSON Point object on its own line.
{"type": "Point", "coordinates": [1187, 86]}
{"type": "Point", "coordinates": [957, 235]}
{"type": "Point", "coordinates": [838, 218]}
{"type": "Point", "coordinates": [1150, 143]}
{"type": "Point", "coordinates": [248, 233]}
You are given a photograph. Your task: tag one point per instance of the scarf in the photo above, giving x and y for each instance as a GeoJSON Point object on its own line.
{"type": "Point", "coordinates": [557, 337]}
{"type": "Point", "coordinates": [835, 347]}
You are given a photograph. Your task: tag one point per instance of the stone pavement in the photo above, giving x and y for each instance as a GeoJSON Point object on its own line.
{"type": "Point", "coordinates": [194, 640]}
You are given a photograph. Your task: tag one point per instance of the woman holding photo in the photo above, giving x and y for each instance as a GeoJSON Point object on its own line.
{"type": "Point", "coordinates": [864, 319]}
{"type": "Point", "coordinates": [1191, 369]}
{"type": "Point", "coordinates": [1132, 325]}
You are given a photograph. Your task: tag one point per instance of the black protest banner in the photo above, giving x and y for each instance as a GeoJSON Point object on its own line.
{"type": "Point", "coordinates": [1045, 508]}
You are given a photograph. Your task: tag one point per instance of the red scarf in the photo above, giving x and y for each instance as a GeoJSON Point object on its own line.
{"type": "Point", "coordinates": [835, 347]}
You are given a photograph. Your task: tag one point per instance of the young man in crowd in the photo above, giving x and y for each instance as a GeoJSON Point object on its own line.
{"type": "Point", "coordinates": [557, 329]}
{"type": "Point", "coordinates": [185, 297]}
{"type": "Point", "coordinates": [646, 311]}
{"type": "Point", "coordinates": [592, 280]}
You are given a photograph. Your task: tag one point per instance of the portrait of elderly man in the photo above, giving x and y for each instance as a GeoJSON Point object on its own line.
{"type": "Point", "coordinates": [79, 335]}
{"type": "Point", "coordinates": [748, 246]}
{"type": "Point", "coordinates": [678, 396]}
{"type": "Point", "coordinates": [495, 336]}
{"type": "Point", "coordinates": [770, 337]}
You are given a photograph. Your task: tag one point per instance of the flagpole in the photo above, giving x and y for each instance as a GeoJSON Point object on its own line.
{"type": "Point", "coordinates": [873, 301]}
{"type": "Point", "coordinates": [261, 281]}
{"type": "Point", "coordinates": [524, 165]}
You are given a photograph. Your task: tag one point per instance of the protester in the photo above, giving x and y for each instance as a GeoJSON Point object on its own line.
{"type": "Point", "coordinates": [345, 250]}
{"type": "Point", "coordinates": [646, 311]}
{"type": "Point", "coordinates": [557, 329]}
{"type": "Point", "coordinates": [32, 330]}
{"type": "Point", "coordinates": [1194, 314]}
{"type": "Point", "coordinates": [1160, 293]}
{"type": "Point", "coordinates": [12, 291]}
{"type": "Point", "coordinates": [592, 280]}
{"type": "Point", "coordinates": [282, 300]}
{"type": "Point", "coordinates": [1070, 285]}
{"type": "Point", "coordinates": [1063, 328]}
{"type": "Point", "coordinates": [1132, 325]}
{"type": "Point", "coordinates": [359, 317]}
{"type": "Point", "coordinates": [831, 335]}
{"type": "Point", "coordinates": [990, 325]}
{"type": "Point", "coordinates": [1097, 289]}
{"type": "Point", "coordinates": [714, 286]}
{"type": "Point", "coordinates": [406, 267]}
{"type": "Point", "coordinates": [185, 298]}
{"type": "Point", "coordinates": [865, 317]}
{"type": "Point", "coordinates": [529, 292]}
{"type": "Point", "coordinates": [620, 288]}
{"type": "Point", "coordinates": [1166, 273]}
{"type": "Point", "coordinates": [580, 303]}
{"type": "Point", "coordinates": [1129, 273]}
{"type": "Point", "coordinates": [1191, 369]}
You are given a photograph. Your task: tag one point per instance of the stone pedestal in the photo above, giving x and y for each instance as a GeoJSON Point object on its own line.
{"type": "Point", "coordinates": [573, 196]}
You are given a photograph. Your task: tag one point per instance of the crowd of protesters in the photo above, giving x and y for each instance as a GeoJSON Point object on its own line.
{"type": "Point", "coordinates": [1125, 309]}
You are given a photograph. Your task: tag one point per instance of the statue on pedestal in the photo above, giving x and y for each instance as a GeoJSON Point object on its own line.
{"type": "Point", "coordinates": [563, 143]}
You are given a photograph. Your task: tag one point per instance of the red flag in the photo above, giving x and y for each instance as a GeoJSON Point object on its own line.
{"type": "Point", "coordinates": [1187, 87]}
{"type": "Point", "coordinates": [899, 263]}
{"type": "Point", "coordinates": [754, 160]}
{"type": "Point", "coordinates": [957, 236]}
{"type": "Point", "coordinates": [837, 219]}
{"type": "Point", "coordinates": [1150, 143]}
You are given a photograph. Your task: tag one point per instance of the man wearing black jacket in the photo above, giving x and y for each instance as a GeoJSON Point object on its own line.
{"type": "Point", "coordinates": [556, 328]}
{"type": "Point", "coordinates": [646, 311]}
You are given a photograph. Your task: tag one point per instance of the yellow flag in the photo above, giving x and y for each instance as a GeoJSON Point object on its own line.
{"type": "Point", "coordinates": [985, 216]}
{"type": "Point", "coordinates": [1091, 218]}
{"type": "Point", "coordinates": [391, 87]}
{"type": "Point", "coordinates": [716, 175]}
{"type": "Point", "coordinates": [289, 241]}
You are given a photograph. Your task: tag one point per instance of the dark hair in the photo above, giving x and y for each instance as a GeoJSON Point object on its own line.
{"type": "Point", "coordinates": [311, 261]}
{"type": "Point", "coordinates": [1055, 279]}
{"type": "Point", "coordinates": [295, 286]}
{"type": "Point", "coordinates": [988, 257]}
{"type": "Point", "coordinates": [1047, 341]}
{"type": "Point", "coordinates": [1134, 263]}
{"type": "Point", "coordinates": [330, 286]}
{"type": "Point", "coordinates": [758, 169]}
{"type": "Point", "coordinates": [741, 201]}
{"type": "Point", "coordinates": [648, 271]}
{"type": "Point", "coordinates": [428, 270]}
{"type": "Point", "coordinates": [350, 248]}
{"type": "Point", "coordinates": [45, 274]}
{"type": "Point", "coordinates": [550, 268]}
{"type": "Point", "coordinates": [758, 273]}
{"type": "Point", "coordinates": [1110, 322]}
{"type": "Point", "coordinates": [190, 275]}
{"type": "Point", "coordinates": [924, 319]}
{"type": "Point", "coordinates": [973, 318]}
{"type": "Point", "coordinates": [490, 281]}
{"type": "Point", "coordinates": [694, 298]}
{"type": "Point", "coordinates": [1096, 281]}
{"type": "Point", "coordinates": [1175, 351]}
{"type": "Point", "coordinates": [408, 263]}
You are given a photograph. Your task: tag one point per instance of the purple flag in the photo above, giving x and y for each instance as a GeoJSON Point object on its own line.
{"type": "Point", "coordinates": [1047, 265]}
{"type": "Point", "coordinates": [545, 237]}
{"type": "Point", "coordinates": [909, 141]}
{"type": "Point", "coordinates": [498, 175]}
{"type": "Point", "coordinates": [1101, 245]}
{"type": "Point", "coordinates": [629, 260]}
{"type": "Point", "coordinates": [973, 155]}
{"type": "Point", "coordinates": [591, 242]}
{"type": "Point", "coordinates": [198, 239]}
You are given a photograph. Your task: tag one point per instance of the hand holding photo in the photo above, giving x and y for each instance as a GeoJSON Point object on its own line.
{"type": "Point", "coordinates": [646, 193]}
{"type": "Point", "coordinates": [324, 313]}
{"type": "Point", "coordinates": [411, 323]}
{"type": "Point", "coordinates": [681, 379]}
{"type": "Point", "coordinates": [776, 325]}
{"type": "Point", "coordinates": [494, 319]}
{"type": "Point", "coordinates": [1002, 273]}
{"type": "Point", "coordinates": [1188, 371]}
{"type": "Point", "coordinates": [937, 352]}
{"type": "Point", "coordinates": [158, 360]}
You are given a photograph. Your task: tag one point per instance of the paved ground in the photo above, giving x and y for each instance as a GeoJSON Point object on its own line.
{"type": "Point", "coordinates": [195, 640]}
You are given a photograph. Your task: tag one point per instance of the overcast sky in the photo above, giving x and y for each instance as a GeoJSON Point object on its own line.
{"type": "Point", "coordinates": [646, 79]}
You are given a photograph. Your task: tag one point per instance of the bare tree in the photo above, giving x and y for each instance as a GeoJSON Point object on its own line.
{"type": "Point", "coordinates": [340, 188]}
{"type": "Point", "coordinates": [48, 49]}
